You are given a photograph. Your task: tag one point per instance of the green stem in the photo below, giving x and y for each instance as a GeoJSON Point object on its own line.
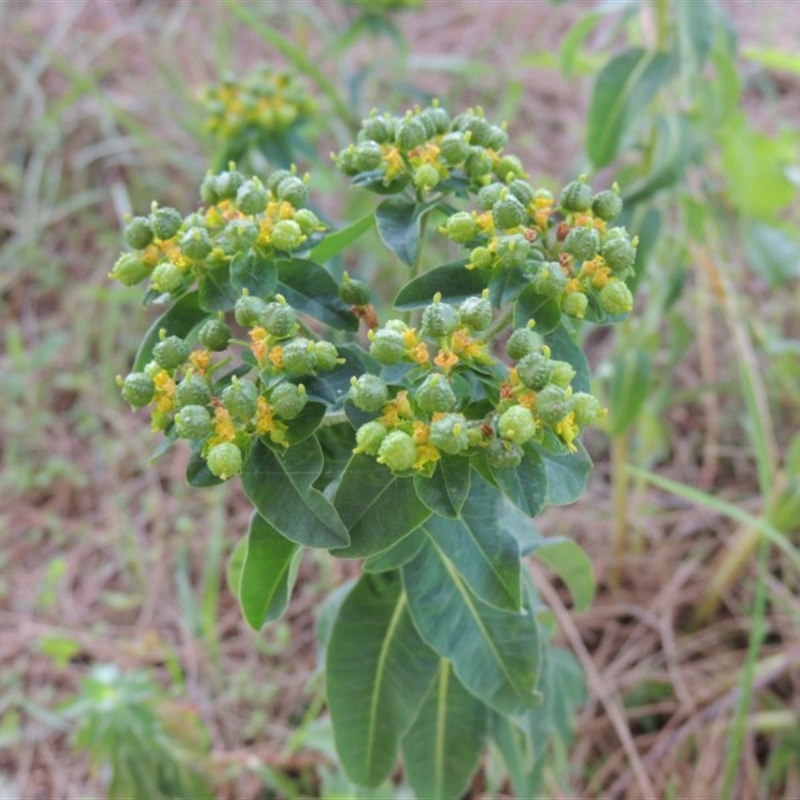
{"type": "Point", "coordinates": [620, 484]}
{"type": "Point", "coordinates": [298, 58]}
{"type": "Point", "coordinates": [499, 324]}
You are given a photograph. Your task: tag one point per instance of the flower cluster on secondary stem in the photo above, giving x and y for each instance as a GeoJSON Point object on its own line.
{"type": "Point", "coordinates": [265, 100]}
{"type": "Point", "coordinates": [462, 400]}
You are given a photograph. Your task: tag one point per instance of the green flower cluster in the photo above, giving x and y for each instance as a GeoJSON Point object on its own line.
{"type": "Point", "coordinates": [265, 100]}
{"type": "Point", "coordinates": [427, 150]}
{"type": "Point", "coordinates": [463, 401]}
{"type": "Point", "coordinates": [564, 249]}
{"type": "Point", "coordinates": [242, 215]}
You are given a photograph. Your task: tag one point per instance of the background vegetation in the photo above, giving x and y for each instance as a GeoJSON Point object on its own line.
{"type": "Point", "coordinates": [116, 624]}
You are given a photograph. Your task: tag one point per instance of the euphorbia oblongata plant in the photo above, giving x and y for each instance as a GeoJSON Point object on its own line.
{"type": "Point", "coordinates": [422, 442]}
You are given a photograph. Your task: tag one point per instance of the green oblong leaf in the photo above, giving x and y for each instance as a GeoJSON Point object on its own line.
{"type": "Point", "coordinates": [494, 653]}
{"type": "Point", "coordinates": [622, 91]}
{"type": "Point", "coordinates": [279, 484]}
{"type": "Point", "coordinates": [253, 272]}
{"type": "Point", "coordinates": [268, 573]}
{"type": "Point", "coordinates": [215, 290]}
{"type": "Point", "coordinates": [531, 305]}
{"type": "Point", "coordinates": [442, 748]}
{"type": "Point", "coordinates": [378, 673]}
{"type": "Point", "coordinates": [453, 281]}
{"type": "Point", "coordinates": [569, 561]}
{"type": "Point", "coordinates": [180, 320]}
{"type": "Point", "coordinates": [309, 289]}
{"type": "Point", "coordinates": [563, 348]}
{"type": "Point", "coordinates": [398, 554]}
{"type": "Point", "coordinates": [377, 507]}
{"type": "Point", "coordinates": [567, 474]}
{"type": "Point", "coordinates": [485, 555]}
{"type": "Point", "coordinates": [525, 485]}
{"type": "Point", "coordinates": [335, 242]}
{"type": "Point", "coordinates": [445, 491]}
{"type": "Point", "coordinates": [398, 222]}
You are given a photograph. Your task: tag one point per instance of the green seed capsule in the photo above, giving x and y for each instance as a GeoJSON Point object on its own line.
{"type": "Point", "coordinates": [454, 148]}
{"type": "Point", "coordinates": [208, 190]}
{"type": "Point", "coordinates": [508, 165]}
{"type": "Point", "coordinates": [607, 205]}
{"type": "Point", "coordinates": [482, 258]}
{"type": "Point", "coordinates": [248, 310]}
{"type": "Point", "coordinates": [508, 213]}
{"type": "Point", "coordinates": [438, 320]}
{"type": "Point", "coordinates": [575, 305]}
{"type": "Point", "coordinates": [552, 404]}
{"type": "Point", "coordinates": [368, 156]}
{"type": "Point", "coordinates": [377, 129]}
{"type": "Point", "coordinates": [193, 422]}
{"type": "Point", "coordinates": [577, 196]}
{"type": "Point", "coordinates": [562, 373]}
{"type": "Point", "coordinates": [522, 342]}
{"type": "Point", "coordinates": [513, 251]}
{"type": "Point", "coordinates": [369, 393]}
{"type": "Point", "coordinates": [278, 319]}
{"type": "Point", "coordinates": [252, 197]}
{"type": "Point", "coordinates": [129, 270]}
{"type": "Point", "coordinates": [449, 434]}
{"type": "Point", "coordinates": [587, 408]}
{"type": "Point", "coordinates": [435, 395]}
{"type": "Point", "coordinates": [534, 371]}
{"type": "Point", "coordinates": [410, 134]}
{"type": "Point", "coordinates": [287, 235]}
{"type": "Point", "coordinates": [166, 277]}
{"type": "Point", "coordinates": [476, 313]}
{"type": "Point", "coordinates": [326, 356]}
{"type": "Point", "coordinates": [369, 437]}
{"type": "Point", "coordinates": [522, 190]}
{"type": "Point", "coordinates": [228, 184]}
{"type": "Point", "coordinates": [397, 451]}
{"type": "Point", "coordinates": [620, 254]}
{"type": "Point", "coordinates": [195, 243]}
{"type": "Point", "coordinates": [166, 222]}
{"type": "Point", "coordinates": [490, 194]}
{"type": "Point", "coordinates": [497, 139]}
{"type": "Point", "coordinates": [355, 292]}
{"type": "Point", "coordinates": [288, 400]}
{"type": "Point", "coordinates": [277, 177]}
{"type": "Point", "coordinates": [192, 391]}
{"type": "Point", "coordinates": [428, 124]}
{"type": "Point", "coordinates": [426, 177]}
{"type": "Point", "coordinates": [517, 425]}
{"type": "Point", "coordinates": [299, 357]}
{"type": "Point", "coordinates": [308, 221]}
{"type": "Point", "coordinates": [171, 352]}
{"type": "Point", "coordinates": [550, 280]}
{"type": "Point", "coordinates": [582, 243]}
{"type": "Point", "coordinates": [241, 399]}
{"type": "Point", "coordinates": [293, 190]}
{"type": "Point", "coordinates": [478, 164]}
{"type": "Point", "coordinates": [214, 334]}
{"type": "Point", "coordinates": [387, 346]}
{"type": "Point", "coordinates": [461, 227]}
{"type": "Point", "coordinates": [224, 460]}
{"type": "Point", "coordinates": [346, 161]}
{"type": "Point", "coordinates": [138, 389]}
{"type": "Point", "coordinates": [503, 454]}
{"type": "Point", "coordinates": [241, 234]}
{"type": "Point", "coordinates": [479, 129]}
{"type": "Point", "coordinates": [616, 298]}
{"type": "Point", "coordinates": [139, 233]}
{"type": "Point", "coordinates": [439, 117]}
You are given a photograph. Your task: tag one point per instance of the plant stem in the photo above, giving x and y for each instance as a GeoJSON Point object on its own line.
{"type": "Point", "coordinates": [620, 485]}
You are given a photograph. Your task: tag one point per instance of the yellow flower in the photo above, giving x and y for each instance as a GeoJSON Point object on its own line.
{"type": "Point", "coordinates": [568, 430]}
{"type": "Point", "coordinates": [224, 429]}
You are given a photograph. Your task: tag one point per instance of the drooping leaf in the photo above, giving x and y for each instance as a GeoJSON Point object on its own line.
{"type": "Point", "coordinates": [628, 388]}
{"type": "Point", "coordinates": [215, 291]}
{"type": "Point", "coordinates": [622, 91]}
{"type": "Point", "coordinates": [279, 484]}
{"type": "Point", "coordinates": [253, 272]}
{"type": "Point", "coordinates": [378, 673]}
{"type": "Point", "coordinates": [377, 507]}
{"type": "Point", "coordinates": [507, 284]}
{"type": "Point", "coordinates": [445, 491]}
{"type": "Point", "coordinates": [453, 281]}
{"type": "Point", "coordinates": [569, 561]}
{"type": "Point", "coordinates": [398, 554]}
{"type": "Point", "coordinates": [335, 242]}
{"type": "Point", "coordinates": [567, 474]}
{"type": "Point", "coordinates": [531, 305]}
{"type": "Point", "coordinates": [773, 252]}
{"type": "Point", "coordinates": [197, 472]}
{"type": "Point", "coordinates": [268, 573]}
{"type": "Point", "coordinates": [563, 347]}
{"type": "Point", "coordinates": [180, 320]}
{"type": "Point", "coordinates": [442, 747]}
{"type": "Point", "coordinates": [399, 226]}
{"type": "Point", "coordinates": [698, 23]}
{"type": "Point", "coordinates": [495, 653]}
{"type": "Point", "coordinates": [309, 289]}
{"type": "Point", "coordinates": [485, 555]}
{"type": "Point", "coordinates": [305, 423]}
{"type": "Point", "coordinates": [572, 44]}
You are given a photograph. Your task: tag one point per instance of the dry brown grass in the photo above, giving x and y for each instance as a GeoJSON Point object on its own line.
{"type": "Point", "coordinates": [85, 519]}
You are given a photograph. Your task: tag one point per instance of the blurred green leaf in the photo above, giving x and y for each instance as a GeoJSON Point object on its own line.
{"type": "Point", "coordinates": [628, 389]}
{"type": "Point", "coordinates": [399, 226]}
{"type": "Point", "coordinates": [335, 242]}
{"type": "Point", "coordinates": [453, 281]}
{"type": "Point", "coordinates": [773, 252]}
{"type": "Point", "coordinates": [572, 45]}
{"type": "Point", "coordinates": [622, 92]}
{"type": "Point", "coordinates": [697, 24]}
{"type": "Point", "coordinates": [567, 474]}
{"type": "Point", "coordinates": [772, 58]}
{"type": "Point", "coordinates": [569, 561]}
